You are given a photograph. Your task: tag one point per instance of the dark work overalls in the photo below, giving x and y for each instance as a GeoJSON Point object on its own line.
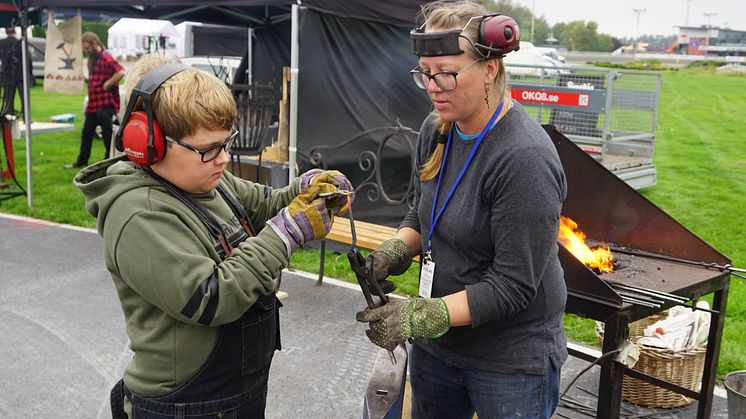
{"type": "Point", "coordinates": [232, 383]}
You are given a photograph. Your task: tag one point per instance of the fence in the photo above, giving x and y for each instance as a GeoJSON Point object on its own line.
{"type": "Point", "coordinates": [612, 114]}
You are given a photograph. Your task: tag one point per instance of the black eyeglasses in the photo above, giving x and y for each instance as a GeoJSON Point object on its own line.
{"type": "Point", "coordinates": [211, 153]}
{"type": "Point", "coordinates": [445, 80]}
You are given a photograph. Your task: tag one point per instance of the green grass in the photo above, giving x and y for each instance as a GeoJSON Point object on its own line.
{"type": "Point", "coordinates": [54, 197]}
{"type": "Point", "coordinates": [701, 159]}
{"type": "Point", "coordinates": [700, 155]}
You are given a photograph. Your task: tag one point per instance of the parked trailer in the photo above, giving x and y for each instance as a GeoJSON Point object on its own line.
{"type": "Point", "coordinates": [611, 114]}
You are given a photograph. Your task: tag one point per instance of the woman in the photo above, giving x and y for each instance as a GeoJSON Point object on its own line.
{"type": "Point", "coordinates": [489, 333]}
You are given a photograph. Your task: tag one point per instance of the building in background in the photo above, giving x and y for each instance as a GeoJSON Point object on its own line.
{"type": "Point", "coordinates": [714, 41]}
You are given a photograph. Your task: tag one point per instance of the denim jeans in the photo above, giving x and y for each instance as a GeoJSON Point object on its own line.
{"type": "Point", "coordinates": [442, 390]}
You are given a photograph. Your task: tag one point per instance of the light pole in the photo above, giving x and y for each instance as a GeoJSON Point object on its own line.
{"type": "Point", "coordinates": [533, 14]}
{"type": "Point", "coordinates": [688, 3]}
{"type": "Point", "coordinates": [709, 16]}
{"type": "Point", "coordinates": [637, 33]}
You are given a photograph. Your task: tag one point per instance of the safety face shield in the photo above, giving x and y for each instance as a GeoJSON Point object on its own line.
{"type": "Point", "coordinates": [498, 35]}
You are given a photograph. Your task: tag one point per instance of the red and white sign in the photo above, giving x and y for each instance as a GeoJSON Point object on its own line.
{"type": "Point", "coordinates": [550, 97]}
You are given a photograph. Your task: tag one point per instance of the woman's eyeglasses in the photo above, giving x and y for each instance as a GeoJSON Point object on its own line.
{"type": "Point", "coordinates": [445, 80]}
{"type": "Point", "coordinates": [211, 153]}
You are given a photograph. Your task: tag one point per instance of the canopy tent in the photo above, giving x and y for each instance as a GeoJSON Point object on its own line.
{"type": "Point", "coordinates": [244, 12]}
{"type": "Point", "coordinates": [130, 36]}
{"type": "Point", "coordinates": [349, 58]}
{"type": "Point", "coordinates": [9, 14]}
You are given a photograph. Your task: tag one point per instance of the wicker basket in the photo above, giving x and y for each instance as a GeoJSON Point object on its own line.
{"type": "Point", "coordinates": [683, 368]}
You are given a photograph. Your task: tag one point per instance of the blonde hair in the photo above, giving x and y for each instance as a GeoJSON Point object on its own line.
{"type": "Point", "coordinates": [448, 15]}
{"type": "Point", "coordinates": [187, 101]}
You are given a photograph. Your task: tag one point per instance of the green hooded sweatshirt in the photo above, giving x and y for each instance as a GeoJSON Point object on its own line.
{"type": "Point", "coordinates": [158, 253]}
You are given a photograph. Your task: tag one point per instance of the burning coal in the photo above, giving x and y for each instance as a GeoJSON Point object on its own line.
{"type": "Point", "coordinates": [598, 258]}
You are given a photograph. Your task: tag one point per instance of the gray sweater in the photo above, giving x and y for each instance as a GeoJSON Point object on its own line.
{"type": "Point", "coordinates": [497, 238]}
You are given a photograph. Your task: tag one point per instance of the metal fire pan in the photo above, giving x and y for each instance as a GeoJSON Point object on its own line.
{"type": "Point", "coordinates": [608, 210]}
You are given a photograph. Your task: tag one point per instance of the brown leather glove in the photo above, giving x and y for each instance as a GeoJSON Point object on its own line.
{"type": "Point", "coordinates": [306, 218]}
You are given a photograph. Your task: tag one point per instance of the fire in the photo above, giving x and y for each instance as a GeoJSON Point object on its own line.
{"type": "Point", "coordinates": [599, 257]}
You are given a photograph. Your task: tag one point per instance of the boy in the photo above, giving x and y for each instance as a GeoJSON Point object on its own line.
{"type": "Point", "coordinates": [194, 251]}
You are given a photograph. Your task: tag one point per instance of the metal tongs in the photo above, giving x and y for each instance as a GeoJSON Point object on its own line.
{"type": "Point", "coordinates": [364, 274]}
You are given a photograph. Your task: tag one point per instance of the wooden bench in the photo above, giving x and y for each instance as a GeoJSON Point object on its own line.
{"type": "Point", "coordinates": [372, 145]}
{"type": "Point", "coordinates": [369, 236]}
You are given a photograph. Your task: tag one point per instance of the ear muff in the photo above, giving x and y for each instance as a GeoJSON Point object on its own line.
{"type": "Point", "coordinates": [140, 137]}
{"type": "Point", "coordinates": [135, 140]}
{"type": "Point", "coordinates": [498, 35]}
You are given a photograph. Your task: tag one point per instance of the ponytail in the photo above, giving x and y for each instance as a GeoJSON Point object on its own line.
{"type": "Point", "coordinates": [432, 167]}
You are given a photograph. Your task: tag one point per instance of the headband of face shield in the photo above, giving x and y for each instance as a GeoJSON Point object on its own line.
{"type": "Point", "coordinates": [498, 35]}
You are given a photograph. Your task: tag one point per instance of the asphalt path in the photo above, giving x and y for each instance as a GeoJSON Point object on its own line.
{"type": "Point", "coordinates": [63, 343]}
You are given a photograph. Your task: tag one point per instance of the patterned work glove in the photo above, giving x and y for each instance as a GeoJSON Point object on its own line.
{"type": "Point", "coordinates": [392, 257]}
{"type": "Point", "coordinates": [337, 204]}
{"type": "Point", "coordinates": [305, 219]}
{"type": "Point", "coordinates": [399, 320]}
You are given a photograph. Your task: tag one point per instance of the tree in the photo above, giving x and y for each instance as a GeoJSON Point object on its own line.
{"type": "Point", "coordinates": [580, 35]}
{"type": "Point", "coordinates": [100, 29]}
{"type": "Point", "coordinates": [522, 16]}
{"type": "Point", "coordinates": [576, 36]}
{"type": "Point", "coordinates": [38, 31]}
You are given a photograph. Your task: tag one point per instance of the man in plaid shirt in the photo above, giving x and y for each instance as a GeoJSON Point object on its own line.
{"type": "Point", "coordinates": [104, 73]}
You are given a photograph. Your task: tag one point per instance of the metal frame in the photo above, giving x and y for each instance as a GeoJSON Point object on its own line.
{"type": "Point", "coordinates": [369, 161]}
{"type": "Point", "coordinates": [677, 262]}
{"type": "Point", "coordinates": [255, 104]}
{"type": "Point", "coordinates": [616, 331]}
{"type": "Point", "coordinates": [612, 113]}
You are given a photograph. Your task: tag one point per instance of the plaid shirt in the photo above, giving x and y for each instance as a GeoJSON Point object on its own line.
{"type": "Point", "coordinates": [102, 70]}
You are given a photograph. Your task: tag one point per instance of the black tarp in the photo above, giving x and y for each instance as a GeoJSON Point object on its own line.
{"type": "Point", "coordinates": [219, 40]}
{"type": "Point", "coordinates": [354, 58]}
{"type": "Point", "coordinates": [354, 76]}
{"type": "Point", "coordinates": [394, 12]}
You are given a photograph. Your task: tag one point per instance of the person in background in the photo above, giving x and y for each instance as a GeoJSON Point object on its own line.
{"type": "Point", "coordinates": [488, 332]}
{"type": "Point", "coordinates": [195, 253]}
{"type": "Point", "coordinates": [12, 69]}
{"type": "Point", "coordinates": [104, 74]}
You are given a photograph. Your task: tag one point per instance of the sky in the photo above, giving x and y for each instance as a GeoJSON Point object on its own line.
{"type": "Point", "coordinates": [617, 17]}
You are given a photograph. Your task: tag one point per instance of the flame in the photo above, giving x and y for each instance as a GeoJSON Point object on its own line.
{"type": "Point", "coordinates": [599, 257]}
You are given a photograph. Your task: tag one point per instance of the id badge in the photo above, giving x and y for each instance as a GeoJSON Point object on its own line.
{"type": "Point", "coordinates": [426, 278]}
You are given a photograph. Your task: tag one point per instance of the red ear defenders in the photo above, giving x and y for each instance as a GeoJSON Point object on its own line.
{"type": "Point", "coordinates": [140, 136]}
{"type": "Point", "coordinates": [498, 35]}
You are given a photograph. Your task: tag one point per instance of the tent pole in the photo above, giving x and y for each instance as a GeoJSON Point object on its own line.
{"type": "Point", "coordinates": [250, 61]}
{"type": "Point", "coordinates": [26, 101]}
{"type": "Point", "coordinates": [293, 128]}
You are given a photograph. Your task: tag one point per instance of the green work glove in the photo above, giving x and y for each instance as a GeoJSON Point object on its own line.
{"type": "Point", "coordinates": [392, 257]}
{"type": "Point", "coordinates": [399, 320]}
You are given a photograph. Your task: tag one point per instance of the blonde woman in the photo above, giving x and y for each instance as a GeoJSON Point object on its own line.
{"type": "Point", "coordinates": [488, 333]}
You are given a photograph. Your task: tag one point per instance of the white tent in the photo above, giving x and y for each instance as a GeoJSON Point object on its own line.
{"type": "Point", "coordinates": [134, 37]}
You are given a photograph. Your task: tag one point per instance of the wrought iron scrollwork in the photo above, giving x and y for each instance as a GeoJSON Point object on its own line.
{"type": "Point", "coordinates": [369, 161]}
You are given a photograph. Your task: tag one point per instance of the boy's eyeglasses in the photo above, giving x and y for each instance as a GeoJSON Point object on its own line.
{"type": "Point", "coordinates": [445, 80]}
{"type": "Point", "coordinates": [211, 153]}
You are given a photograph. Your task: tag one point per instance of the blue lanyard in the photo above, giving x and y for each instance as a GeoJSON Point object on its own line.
{"type": "Point", "coordinates": [433, 218]}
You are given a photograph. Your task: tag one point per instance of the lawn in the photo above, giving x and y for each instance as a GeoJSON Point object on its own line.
{"type": "Point", "coordinates": [700, 155]}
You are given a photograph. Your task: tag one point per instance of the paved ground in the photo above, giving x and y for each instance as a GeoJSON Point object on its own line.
{"type": "Point", "coordinates": [62, 340]}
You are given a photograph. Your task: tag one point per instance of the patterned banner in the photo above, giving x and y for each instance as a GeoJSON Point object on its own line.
{"type": "Point", "coordinates": [63, 58]}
